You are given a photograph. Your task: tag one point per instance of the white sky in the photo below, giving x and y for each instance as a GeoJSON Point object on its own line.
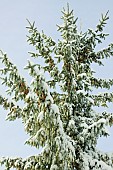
{"type": "Point", "coordinates": [46, 14]}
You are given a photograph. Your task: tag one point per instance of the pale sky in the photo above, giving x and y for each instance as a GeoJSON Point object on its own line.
{"type": "Point", "coordinates": [46, 14]}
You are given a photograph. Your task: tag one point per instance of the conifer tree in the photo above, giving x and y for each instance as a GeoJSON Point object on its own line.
{"type": "Point", "coordinates": [63, 122]}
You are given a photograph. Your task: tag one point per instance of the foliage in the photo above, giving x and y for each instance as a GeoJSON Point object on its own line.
{"type": "Point", "coordinates": [63, 122]}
